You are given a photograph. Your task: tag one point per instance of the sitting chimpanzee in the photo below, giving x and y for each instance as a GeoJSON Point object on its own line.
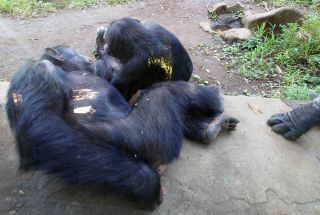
{"type": "Point", "coordinates": [148, 53]}
{"type": "Point", "coordinates": [295, 123]}
{"type": "Point", "coordinates": [62, 125]}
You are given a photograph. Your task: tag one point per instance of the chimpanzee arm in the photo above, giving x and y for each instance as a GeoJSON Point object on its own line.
{"type": "Point", "coordinates": [102, 70]}
{"type": "Point", "coordinates": [131, 71]}
{"type": "Point", "coordinates": [295, 123]}
{"type": "Point", "coordinates": [57, 148]}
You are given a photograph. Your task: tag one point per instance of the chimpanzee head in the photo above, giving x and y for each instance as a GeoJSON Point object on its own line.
{"type": "Point", "coordinates": [68, 59]}
{"type": "Point", "coordinates": [125, 38]}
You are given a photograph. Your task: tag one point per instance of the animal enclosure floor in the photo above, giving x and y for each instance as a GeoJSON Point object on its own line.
{"type": "Point", "coordinates": [249, 171]}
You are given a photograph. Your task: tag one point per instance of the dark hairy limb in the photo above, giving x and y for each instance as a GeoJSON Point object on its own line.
{"type": "Point", "coordinates": [293, 124]}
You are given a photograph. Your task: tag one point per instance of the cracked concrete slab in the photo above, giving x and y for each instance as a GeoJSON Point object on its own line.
{"type": "Point", "coordinates": [249, 171]}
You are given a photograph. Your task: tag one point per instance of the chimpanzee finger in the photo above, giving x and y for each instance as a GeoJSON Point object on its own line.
{"type": "Point", "coordinates": [280, 128]}
{"type": "Point", "coordinates": [291, 135]}
{"type": "Point", "coordinates": [100, 31]}
{"type": "Point", "coordinates": [232, 119]}
{"type": "Point", "coordinates": [276, 119]}
{"type": "Point", "coordinates": [231, 126]}
{"type": "Point", "coordinates": [231, 129]}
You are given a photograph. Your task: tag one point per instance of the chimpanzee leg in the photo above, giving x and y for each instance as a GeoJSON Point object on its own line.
{"type": "Point", "coordinates": [66, 152]}
{"type": "Point", "coordinates": [295, 123]}
{"type": "Point", "coordinates": [206, 129]}
{"type": "Point", "coordinates": [205, 118]}
{"type": "Point", "coordinates": [207, 101]}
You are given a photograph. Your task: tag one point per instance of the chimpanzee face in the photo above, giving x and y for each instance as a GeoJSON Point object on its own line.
{"type": "Point", "coordinates": [68, 59]}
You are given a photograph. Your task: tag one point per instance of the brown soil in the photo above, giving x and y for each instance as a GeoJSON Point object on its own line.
{"type": "Point", "coordinates": [24, 39]}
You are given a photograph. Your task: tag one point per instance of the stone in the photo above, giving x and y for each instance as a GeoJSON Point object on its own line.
{"type": "Point", "coordinates": [234, 8]}
{"type": "Point", "coordinates": [276, 17]}
{"type": "Point", "coordinates": [235, 34]}
{"type": "Point", "coordinates": [206, 26]}
{"type": "Point", "coordinates": [218, 9]}
{"type": "Point", "coordinates": [225, 22]}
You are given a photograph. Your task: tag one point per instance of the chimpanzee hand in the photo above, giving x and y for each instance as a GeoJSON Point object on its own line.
{"type": "Point", "coordinates": [102, 70]}
{"type": "Point", "coordinates": [295, 123]}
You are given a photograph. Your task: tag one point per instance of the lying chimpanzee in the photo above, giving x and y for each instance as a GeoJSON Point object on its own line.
{"type": "Point", "coordinates": [295, 123]}
{"type": "Point", "coordinates": [69, 60]}
{"type": "Point", "coordinates": [62, 125]}
{"type": "Point", "coordinates": [148, 53]}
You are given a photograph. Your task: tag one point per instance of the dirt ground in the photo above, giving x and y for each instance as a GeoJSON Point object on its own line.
{"type": "Point", "coordinates": [24, 39]}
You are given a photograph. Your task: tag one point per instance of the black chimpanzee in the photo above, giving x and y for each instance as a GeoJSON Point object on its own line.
{"type": "Point", "coordinates": [104, 98]}
{"type": "Point", "coordinates": [50, 137]}
{"type": "Point", "coordinates": [62, 124]}
{"type": "Point", "coordinates": [148, 53]}
{"type": "Point", "coordinates": [293, 124]}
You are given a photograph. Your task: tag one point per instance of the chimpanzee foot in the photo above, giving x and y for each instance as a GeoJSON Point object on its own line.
{"type": "Point", "coordinates": [221, 123]}
{"type": "Point", "coordinates": [100, 37]}
{"type": "Point", "coordinates": [100, 32]}
{"type": "Point", "coordinates": [99, 42]}
{"type": "Point", "coordinates": [282, 124]}
{"type": "Point", "coordinates": [293, 124]}
{"type": "Point", "coordinates": [228, 123]}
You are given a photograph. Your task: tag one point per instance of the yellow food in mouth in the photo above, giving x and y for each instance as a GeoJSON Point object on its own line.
{"type": "Point", "coordinates": [163, 63]}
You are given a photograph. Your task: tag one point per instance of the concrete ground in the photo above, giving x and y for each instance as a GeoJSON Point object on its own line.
{"type": "Point", "coordinates": [249, 171]}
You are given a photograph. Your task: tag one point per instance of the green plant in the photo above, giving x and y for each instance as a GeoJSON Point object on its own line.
{"type": "Point", "coordinates": [117, 1]}
{"type": "Point", "coordinates": [291, 57]}
{"type": "Point", "coordinates": [27, 8]}
{"type": "Point", "coordinates": [212, 15]}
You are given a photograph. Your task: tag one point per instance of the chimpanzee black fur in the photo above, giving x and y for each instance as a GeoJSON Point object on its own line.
{"type": "Point", "coordinates": [148, 53]}
{"type": "Point", "coordinates": [293, 124]}
{"type": "Point", "coordinates": [37, 109]}
{"type": "Point", "coordinates": [68, 59]}
{"type": "Point", "coordinates": [167, 113]}
{"type": "Point", "coordinates": [109, 144]}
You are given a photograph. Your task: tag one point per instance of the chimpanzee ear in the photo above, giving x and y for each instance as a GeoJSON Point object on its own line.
{"type": "Point", "coordinates": [54, 54]}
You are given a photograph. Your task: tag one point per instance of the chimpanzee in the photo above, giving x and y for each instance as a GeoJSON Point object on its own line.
{"type": "Point", "coordinates": [148, 53]}
{"type": "Point", "coordinates": [57, 116]}
{"type": "Point", "coordinates": [109, 104]}
{"type": "Point", "coordinates": [111, 64]}
{"type": "Point", "coordinates": [39, 114]}
{"type": "Point", "coordinates": [293, 124]}
{"type": "Point", "coordinates": [67, 59]}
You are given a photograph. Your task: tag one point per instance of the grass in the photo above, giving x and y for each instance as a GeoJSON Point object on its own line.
{"type": "Point", "coordinates": [117, 1]}
{"type": "Point", "coordinates": [290, 60]}
{"type": "Point", "coordinates": [29, 8]}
